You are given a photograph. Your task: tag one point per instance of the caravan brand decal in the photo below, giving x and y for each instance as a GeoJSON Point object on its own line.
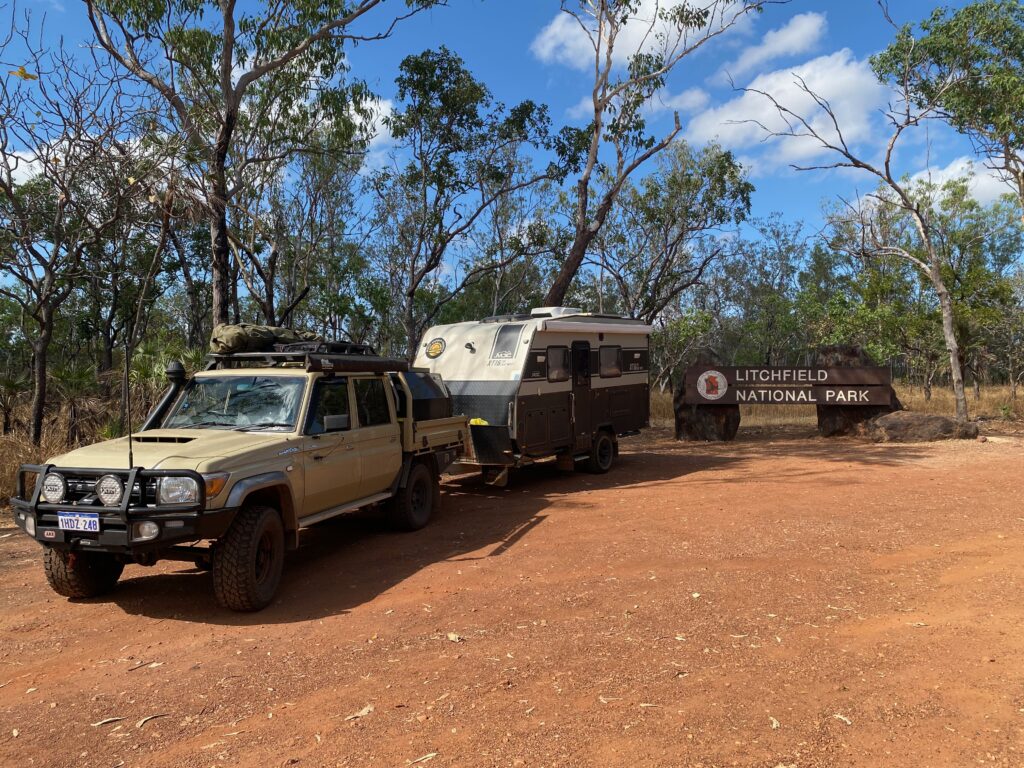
{"type": "Point", "coordinates": [435, 347]}
{"type": "Point", "coordinates": [712, 385]}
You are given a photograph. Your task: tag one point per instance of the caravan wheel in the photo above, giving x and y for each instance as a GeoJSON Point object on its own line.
{"type": "Point", "coordinates": [602, 454]}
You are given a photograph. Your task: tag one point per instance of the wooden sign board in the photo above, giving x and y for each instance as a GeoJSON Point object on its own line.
{"type": "Point", "coordinates": [729, 385]}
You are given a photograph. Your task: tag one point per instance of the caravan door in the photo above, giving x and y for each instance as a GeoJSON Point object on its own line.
{"type": "Point", "coordinates": [581, 395]}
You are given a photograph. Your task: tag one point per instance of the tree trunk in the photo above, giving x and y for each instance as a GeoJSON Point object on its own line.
{"type": "Point", "coordinates": [221, 266]}
{"type": "Point", "coordinates": [220, 271]}
{"type": "Point", "coordinates": [40, 348]}
{"type": "Point", "coordinates": [560, 287]}
{"type": "Point", "coordinates": [952, 347]}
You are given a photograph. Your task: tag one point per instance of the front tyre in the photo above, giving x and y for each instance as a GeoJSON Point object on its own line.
{"type": "Point", "coordinates": [602, 454]}
{"type": "Point", "coordinates": [249, 559]}
{"type": "Point", "coordinates": [412, 506]}
{"type": "Point", "coordinates": [81, 574]}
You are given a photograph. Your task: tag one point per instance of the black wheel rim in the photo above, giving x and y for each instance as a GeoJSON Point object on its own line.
{"type": "Point", "coordinates": [419, 500]}
{"type": "Point", "coordinates": [604, 452]}
{"type": "Point", "coordinates": [264, 557]}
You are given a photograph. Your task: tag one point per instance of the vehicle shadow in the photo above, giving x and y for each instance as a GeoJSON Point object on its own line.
{"type": "Point", "coordinates": [348, 561]}
{"type": "Point", "coordinates": [353, 559]}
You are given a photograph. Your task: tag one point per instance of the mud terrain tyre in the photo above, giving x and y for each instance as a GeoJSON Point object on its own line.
{"type": "Point", "coordinates": [248, 560]}
{"type": "Point", "coordinates": [602, 454]}
{"type": "Point", "coordinates": [81, 574]}
{"type": "Point", "coordinates": [412, 506]}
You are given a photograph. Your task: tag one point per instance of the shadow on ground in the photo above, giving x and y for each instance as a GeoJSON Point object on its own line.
{"type": "Point", "coordinates": [351, 560]}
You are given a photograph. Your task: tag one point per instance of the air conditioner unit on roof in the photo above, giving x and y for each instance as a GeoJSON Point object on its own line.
{"type": "Point", "coordinates": [555, 311]}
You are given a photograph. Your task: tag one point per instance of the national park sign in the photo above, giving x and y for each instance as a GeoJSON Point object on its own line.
{"type": "Point", "coordinates": [729, 385]}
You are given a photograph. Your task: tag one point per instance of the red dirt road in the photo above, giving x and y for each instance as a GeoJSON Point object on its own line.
{"type": "Point", "coordinates": [774, 602]}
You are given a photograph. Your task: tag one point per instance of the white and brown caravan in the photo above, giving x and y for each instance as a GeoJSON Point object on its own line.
{"type": "Point", "coordinates": [556, 382]}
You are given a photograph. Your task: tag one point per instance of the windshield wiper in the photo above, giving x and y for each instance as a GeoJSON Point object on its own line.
{"type": "Point", "coordinates": [263, 425]}
{"type": "Point", "coordinates": [208, 424]}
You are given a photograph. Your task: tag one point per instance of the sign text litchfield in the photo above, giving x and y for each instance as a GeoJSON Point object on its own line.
{"type": "Point", "coordinates": [729, 385]}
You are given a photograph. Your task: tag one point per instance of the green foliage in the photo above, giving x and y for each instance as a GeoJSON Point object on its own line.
{"type": "Point", "coordinates": [970, 64]}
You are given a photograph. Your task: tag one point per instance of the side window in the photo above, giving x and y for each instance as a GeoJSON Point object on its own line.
{"type": "Point", "coordinates": [558, 364]}
{"type": "Point", "coordinates": [372, 402]}
{"type": "Point", "coordinates": [329, 411]}
{"type": "Point", "coordinates": [611, 362]}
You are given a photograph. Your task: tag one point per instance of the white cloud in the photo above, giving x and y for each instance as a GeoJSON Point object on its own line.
{"type": "Point", "coordinates": [801, 34]}
{"type": "Point", "coordinates": [381, 136]}
{"type": "Point", "coordinates": [985, 185]}
{"type": "Point", "coordinates": [564, 41]}
{"type": "Point", "coordinates": [847, 83]}
{"type": "Point", "coordinates": [690, 100]}
{"type": "Point", "coordinates": [582, 109]}
{"type": "Point", "coordinates": [22, 165]}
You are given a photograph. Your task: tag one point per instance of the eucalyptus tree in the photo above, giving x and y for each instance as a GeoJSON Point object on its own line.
{"type": "Point", "coordinates": [665, 232]}
{"type": "Point", "coordinates": [969, 64]}
{"type": "Point", "coordinates": [69, 131]}
{"type": "Point", "coordinates": [816, 124]}
{"type": "Point", "coordinates": [243, 88]}
{"type": "Point", "coordinates": [616, 142]}
{"type": "Point", "coordinates": [458, 154]}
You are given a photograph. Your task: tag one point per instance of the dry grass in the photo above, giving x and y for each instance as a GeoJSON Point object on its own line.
{"type": "Point", "coordinates": [16, 449]}
{"type": "Point", "coordinates": [994, 403]}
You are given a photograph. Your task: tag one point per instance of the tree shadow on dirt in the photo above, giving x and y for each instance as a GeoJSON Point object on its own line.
{"type": "Point", "coordinates": [353, 559]}
{"type": "Point", "coordinates": [348, 561]}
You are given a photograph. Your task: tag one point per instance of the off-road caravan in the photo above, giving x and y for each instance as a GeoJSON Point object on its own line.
{"type": "Point", "coordinates": [555, 382]}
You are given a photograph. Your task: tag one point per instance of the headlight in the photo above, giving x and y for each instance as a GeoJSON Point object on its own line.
{"type": "Point", "coordinates": [54, 488]}
{"type": "Point", "coordinates": [177, 490]}
{"type": "Point", "coordinates": [110, 489]}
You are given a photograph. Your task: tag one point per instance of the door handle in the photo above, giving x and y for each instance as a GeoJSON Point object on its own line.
{"type": "Point", "coordinates": [318, 458]}
{"type": "Point", "coordinates": [350, 447]}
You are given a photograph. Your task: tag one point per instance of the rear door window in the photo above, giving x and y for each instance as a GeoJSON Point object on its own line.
{"type": "Point", "coordinates": [371, 402]}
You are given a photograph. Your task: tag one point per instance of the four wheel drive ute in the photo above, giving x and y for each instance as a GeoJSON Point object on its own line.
{"type": "Point", "coordinates": [241, 457]}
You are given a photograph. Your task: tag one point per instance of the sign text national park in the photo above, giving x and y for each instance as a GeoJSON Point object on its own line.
{"type": "Point", "coordinates": [729, 385]}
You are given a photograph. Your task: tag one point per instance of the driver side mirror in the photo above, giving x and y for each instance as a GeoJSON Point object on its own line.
{"type": "Point", "coordinates": [337, 423]}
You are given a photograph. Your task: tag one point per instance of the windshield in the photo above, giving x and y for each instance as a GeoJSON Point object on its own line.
{"type": "Point", "coordinates": [238, 402]}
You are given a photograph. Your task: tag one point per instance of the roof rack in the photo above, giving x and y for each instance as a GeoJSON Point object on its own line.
{"type": "Point", "coordinates": [311, 361]}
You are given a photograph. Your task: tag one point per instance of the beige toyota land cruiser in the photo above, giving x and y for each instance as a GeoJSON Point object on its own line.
{"type": "Point", "coordinates": [233, 462]}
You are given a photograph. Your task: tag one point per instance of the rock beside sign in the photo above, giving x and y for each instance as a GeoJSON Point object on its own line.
{"type": "Point", "coordinates": [910, 427]}
{"type": "Point", "coordinates": [714, 423]}
{"type": "Point", "coordinates": [836, 420]}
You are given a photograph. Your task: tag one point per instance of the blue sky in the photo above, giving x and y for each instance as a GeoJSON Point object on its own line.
{"type": "Point", "coordinates": [521, 52]}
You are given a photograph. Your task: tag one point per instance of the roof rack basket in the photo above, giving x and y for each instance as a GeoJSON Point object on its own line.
{"type": "Point", "coordinates": [311, 361]}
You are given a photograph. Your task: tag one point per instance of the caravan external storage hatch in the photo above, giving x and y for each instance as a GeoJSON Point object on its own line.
{"type": "Point", "coordinates": [556, 382]}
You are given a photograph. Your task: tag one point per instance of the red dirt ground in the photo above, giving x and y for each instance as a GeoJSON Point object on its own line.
{"type": "Point", "coordinates": [780, 601]}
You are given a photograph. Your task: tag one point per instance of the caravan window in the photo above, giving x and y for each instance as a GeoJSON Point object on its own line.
{"type": "Point", "coordinates": [505, 342]}
{"type": "Point", "coordinates": [558, 364]}
{"type": "Point", "coordinates": [611, 362]}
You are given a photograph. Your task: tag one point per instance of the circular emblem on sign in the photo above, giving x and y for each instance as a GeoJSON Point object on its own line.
{"type": "Point", "coordinates": [435, 347]}
{"type": "Point", "coordinates": [711, 385]}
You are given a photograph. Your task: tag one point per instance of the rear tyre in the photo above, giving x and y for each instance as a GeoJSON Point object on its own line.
{"type": "Point", "coordinates": [81, 574]}
{"type": "Point", "coordinates": [249, 559]}
{"type": "Point", "coordinates": [412, 506]}
{"type": "Point", "coordinates": [602, 454]}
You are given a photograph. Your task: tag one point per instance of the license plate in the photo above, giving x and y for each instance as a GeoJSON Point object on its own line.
{"type": "Point", "coordinates": [79, 521]}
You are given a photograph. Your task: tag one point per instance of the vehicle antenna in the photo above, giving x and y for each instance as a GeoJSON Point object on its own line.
{"type": "Point", "coordinates": [128, 403]}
